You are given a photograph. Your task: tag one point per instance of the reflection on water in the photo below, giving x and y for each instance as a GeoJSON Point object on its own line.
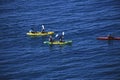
{"type": "Point", "coordinates": [110, 42]}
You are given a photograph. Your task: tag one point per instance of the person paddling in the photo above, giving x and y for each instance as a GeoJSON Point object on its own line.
{"type": "Point", "coordinates": [50, 39]}
{"type": "Point", "coordinates": [61, 37]}
{"type": "Point", "coordinates": [110, 36]}
{"type": "Point", "coordinates": [31, 30]}
{"type": "Point", "coordinates": [43, 29]}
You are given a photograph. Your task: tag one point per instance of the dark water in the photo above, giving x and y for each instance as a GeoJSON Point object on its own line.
{"type": "Point", "coordinates": [25, 58]}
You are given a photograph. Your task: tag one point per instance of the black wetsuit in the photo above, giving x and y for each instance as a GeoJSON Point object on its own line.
{"type": "Point", "coordinates": [50, 39]}
{"type": "Point", "coordinates": [61, 38]}
{"type": "Point", "coordinates": [110, 37]}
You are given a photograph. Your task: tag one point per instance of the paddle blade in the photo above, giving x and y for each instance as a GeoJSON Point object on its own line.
{"type": "Point", "coordinates": [56, 35]}
{"type": "Point", "coordinates": [43, 26]}
{"type": "Point", "coordinates": [63, 33]}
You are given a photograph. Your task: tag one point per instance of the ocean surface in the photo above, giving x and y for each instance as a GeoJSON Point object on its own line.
{"type": "Point", "coordinates": [27, 58]}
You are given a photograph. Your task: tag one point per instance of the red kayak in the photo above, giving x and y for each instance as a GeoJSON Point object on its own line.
{"type": "Point", "coordinates": [108, 38]}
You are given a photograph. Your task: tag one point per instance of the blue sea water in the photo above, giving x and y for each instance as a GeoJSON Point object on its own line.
{"type": "Point", "coordinates": [27, 58]}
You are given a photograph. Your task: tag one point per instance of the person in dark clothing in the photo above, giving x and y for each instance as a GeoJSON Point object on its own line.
{"type": "Point", "coordinates": [110, 36]}
{"type": "Point", "coordinates": [61, 37]}
{"type": "Point", "coordinates": [50, 39]}
{"type": "Point", "coordinates": [31, 30]}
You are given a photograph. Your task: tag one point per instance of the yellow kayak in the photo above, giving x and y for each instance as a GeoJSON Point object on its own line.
{"type": "Point", "coordinates": [39, 33]}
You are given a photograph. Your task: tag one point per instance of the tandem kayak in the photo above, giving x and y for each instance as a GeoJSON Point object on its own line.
{"type": "Point", "coordinates": [58, 42]}
{"type": "Point", "coordinates": [39, 33]}
{"type": "Point", "coordinates": [107, 38]}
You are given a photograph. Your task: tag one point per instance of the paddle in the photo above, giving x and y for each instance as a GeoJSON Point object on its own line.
{"type": "Point", "coordinates": [43, 27]}
{"type": "Point", "coordinates": [63, 33]}
{"type": "Point", "coordinates": [62, 36]}
{"type": "Point", "coordinates": [56, 35]}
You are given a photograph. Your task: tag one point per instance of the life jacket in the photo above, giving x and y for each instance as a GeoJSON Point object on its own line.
{"type": "Point", "coordinates": [61, 38]}
{"type": "Point", "coordinates": [50, 39]}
